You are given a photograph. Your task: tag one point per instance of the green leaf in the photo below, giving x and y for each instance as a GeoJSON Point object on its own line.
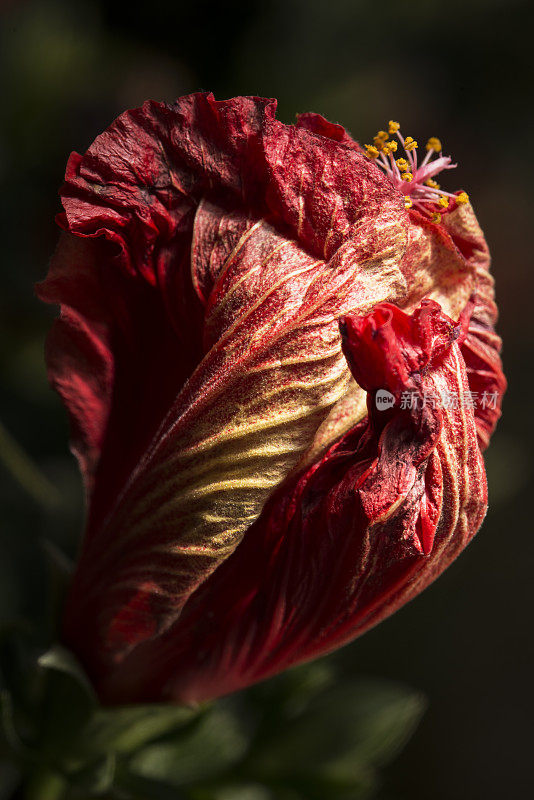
{"type": "Point", "coordinates": [62, 660]}
{"type": "Point", "coordinates": [215, 742]}
{"type": "Point", "coordinates": [11, 741]}
{"type": "Point", "coordinates": [20, 689]}
{"type": "Point", "coordinates": [291, 692]}
{"type": "Point", "coordinates": [68, 702]}
{"type": "Point", "coordinates": [234, 791]}
{"type": "Point", "coordinates": [97, 777]}
{"type": "Point", "coordinates": [85, 739]}
{"type": "Point", "coordinates": [135, 786]}
{"type": "Point", "coordinates": [343, 734]}
{"type": "Point", "coordinates": [43, 783]}
{"type": "Point", "coordinates": [125, 730]}
{"type": "Point", "coordinates": [28, 474]}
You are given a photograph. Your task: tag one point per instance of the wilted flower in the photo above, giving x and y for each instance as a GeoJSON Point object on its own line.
{"type": "Point", "coordinates": [255, 340]}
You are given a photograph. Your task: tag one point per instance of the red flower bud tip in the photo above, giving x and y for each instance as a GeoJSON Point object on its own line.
{"type": "Point", "coordinates": [278, 386]}
{"type": "Point", "coordinates": [413, 179]}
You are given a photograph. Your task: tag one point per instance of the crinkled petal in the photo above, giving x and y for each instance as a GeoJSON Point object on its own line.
{"type": "Point", "coordinates": [482, 346]}
{"type": "Point", "coordinates": [215, 278]}
{"type": "Point", "coordinates": [316, 123]}
{"type": "Point", "coordinates": [343, 545]}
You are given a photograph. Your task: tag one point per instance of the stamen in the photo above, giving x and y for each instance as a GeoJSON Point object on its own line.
{"type": "Point", "coordinates": [414, 180]}
{"type": "Point", "coordinates": [372, 151]}
{"type": "Point", "coordinates": [434, 144]}
{"type": "Point", "coordinates": [378, 142]}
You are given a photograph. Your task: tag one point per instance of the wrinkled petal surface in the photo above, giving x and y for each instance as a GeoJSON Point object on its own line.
{"type": "Point", "coordinates": [362, 531]}
{"type": "Point", "coordinates": [208, 255]}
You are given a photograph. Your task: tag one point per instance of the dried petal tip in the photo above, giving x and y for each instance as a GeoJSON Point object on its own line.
{"type": "Point", "coordinates": [425, 193]}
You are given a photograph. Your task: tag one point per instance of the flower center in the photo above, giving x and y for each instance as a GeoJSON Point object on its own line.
{"type": "Point", "coordinates": [414, 180]}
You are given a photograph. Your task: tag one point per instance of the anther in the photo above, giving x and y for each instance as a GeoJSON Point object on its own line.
{"type": "Point", "coordinates": [372, 151]}
{"type": "Point", "coordinates": [434, 144]}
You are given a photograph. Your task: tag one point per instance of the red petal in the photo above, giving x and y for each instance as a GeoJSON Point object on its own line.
{"type": "Point", "coordinates": [482, 346]}
{"type": "Point", "coordinates": [356, 536]}
{"type": "Point", "coordinates": [204, 298]}
{"type": "Point", "coordinates": [318, 124]}
{"type": "Point", "coordinates": [323, 189]}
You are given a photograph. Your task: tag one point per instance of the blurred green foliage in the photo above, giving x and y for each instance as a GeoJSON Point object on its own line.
{"type": "Point", "coordinates": [267, 742]}
{"type": "Point", "coordinates": [460, 70]}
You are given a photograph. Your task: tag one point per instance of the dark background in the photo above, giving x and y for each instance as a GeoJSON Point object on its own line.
{"type": "Point", "coordinates": [459, 70]}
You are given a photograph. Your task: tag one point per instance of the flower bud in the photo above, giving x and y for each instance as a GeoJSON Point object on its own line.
{"type": "Point", "coordinates": [234, 293]}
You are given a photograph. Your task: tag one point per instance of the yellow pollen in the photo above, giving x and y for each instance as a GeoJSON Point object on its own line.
{"type": "Point", "coordinates": [372, 151]}
{"type": "Point", "coordinates": [434, 144]}
{"type": "Point", "coordinates": [407, 169]}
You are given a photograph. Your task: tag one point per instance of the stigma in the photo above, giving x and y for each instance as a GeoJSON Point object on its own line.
{"type": "Point", "coordinates": [413, 178]}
